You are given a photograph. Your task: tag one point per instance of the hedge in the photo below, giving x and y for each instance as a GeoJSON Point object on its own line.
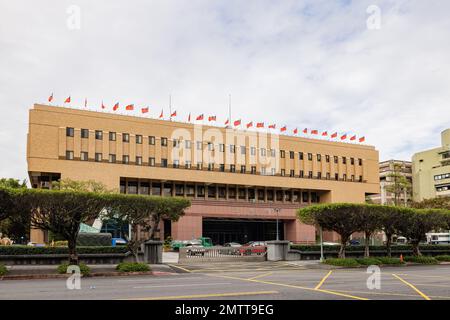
{"type": "Point", "coordinates": [349, 248]}
{"type": "Point", "coordinates": [390, 261]}
{"type": "Point", "coordinates": [84, 269]}
{"type": "Point", "coordinates": [368, 261]}
{"type": "Point", "coordinates": [421, 259]}
{"type": "Point", "coordinates": [132, 267]}
{"type": "Point", "coordinates": [29, 250]}
{"type": "Point", "coordinates": [346, 262]}
{"type": "Point", "coordinates": [445, 258]}
{"type": "Point", "coordinates": [3, 270]}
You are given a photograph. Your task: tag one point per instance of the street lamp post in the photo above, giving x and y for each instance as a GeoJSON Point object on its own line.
{"type": "Point", "coordinates": [277, 210]}
{"type": "Point", "coordinates": [321, 244]}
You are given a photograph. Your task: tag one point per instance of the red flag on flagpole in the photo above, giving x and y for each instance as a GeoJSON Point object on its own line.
{"type": "Point", "coordinates": [305, 131]}
{"type": "Point", "coordinates": [144, 110]}
{"type": "Point", "coordinates": [174, 114]}
{"type": "Point", "coordinates": [237, 123]}
{"type": "Point", "coordinates": [334, 135]}
{"type": "Point", "coordinates": [250, 124]}
{"type": "Point", "coordinates": [295, 131]}
{"type": "Point", "coordinates": [353, 138]}
{"type": "Point", "coordinates": [200, 117]}
{"type": "Point", "coordinates": [282, 129]}
{"type": "Point", "coordinates": [116, 106]}
{"type": "Point", "coordinates": [103, 106]}
{"type": "Point", "coordinates": [129, 107]}
{"type": "Point", "coordinates": [67, 100]}
{"type": "Point", "coordinates": [189, 117]}
{"type": "Point", "coordinates": [161, 115]}
{"type": "Point", "coordinates": [314, 132]}
{"type": "Point", "coordinates": [212, 118]}
{"type": "Point", "coordinates": [324, 134]}
{"type": "Point", "coordinates": [343, 137]}
{"type": "Point", "coordinates": [260, 125]}
{"type": "Point", "coordinates": [50, 98]}
{"type": "Point", "coordinates": [362, 139]}
{"type": "Point", "coordinates": [227, 122]}
{"type": "Point", "coordinates": [272, 126]}
{"type": "Point", "coordinates": [85, 102]}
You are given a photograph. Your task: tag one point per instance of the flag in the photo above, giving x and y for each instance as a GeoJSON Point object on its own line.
{"type": "Point", "coordinates": [50, 98]}
{"type": "Point", "coordinates": [116, 106]}
{"type": "Point", "coordinates": [362, 139]}
{"type": "Point", "coordinates": [189, 117]}
{"type": "Point", "coordinates": [237, 123]}
{"type": "Point", "coordinates": [103, 106]}
{"type": "Point", "coordinates": [129, 107]}
{"type": "Point", "coordinates": [334, 135]}
{"type": "Point", "coordinates": [227, 122]}
{"type": "Point", "coordinates": [144, 110]}
{"type": "Point", "coordinates": [85, 102]}
{"type": "Point", "coordinates": [250, 124]}
{"type": "Point", "coordinates": [67, 100]}
{"type": "Point", "coordinates": [200, 117]}
{"type": "Point", "coordinates": [295, 131]}
{"type": "Point", "coordinates": [212, 118]}
{"type": "Point", "coordinates": [305, 131]}
{"type": "Point", "coordinates": [353, 138]}
{"type": "Point", "coordinates": [343, 137]}
{"type": "Point", "coordinates": [260, 125]}
{"type": "Point", "coordinates": [314, 132]}
{"type": "Point", "coordinates": [282, 129]}
{"type": "Point", "coordinates": [174, 114]}
{"type": "Point", "coordinates": [161, 115]}
{"type": "Point", "coordinates": [324, 134]}
{"type": "Point", "coordinates": [272, 126]}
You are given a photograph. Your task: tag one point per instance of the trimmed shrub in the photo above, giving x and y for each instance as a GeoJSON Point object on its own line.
{"type": "Point", "coordinates": [348, 262]}
{"type": "Point", "coordinates": [132, 267]}
{"type": "Point", "coordinates": [421, 259]}
{"type": "Point", "coordinates": [349, 248]}
{"type": "Point", "coordinates": [27, 250]}
{"type": "Point", "coordinates": [3, 270]}
{"type": "Point", "coordinates": [368, 261]}
{"type": "Point", "coordinates": [445, 258]}
{"type": "Point", "coordinates": [390, 261]}
{"type": "Point", "coordinates": [60, 243]}
{"type": "Point", "coordinates": [84, 269]}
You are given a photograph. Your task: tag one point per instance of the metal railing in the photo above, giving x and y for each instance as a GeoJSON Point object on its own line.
{"type": "Point", "coordinates": [221, 254]}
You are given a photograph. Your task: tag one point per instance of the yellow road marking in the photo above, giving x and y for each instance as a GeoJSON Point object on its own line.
{"type": "Point", "coordinates": [181, 268]}
{"type": "Point", "coordinates": [413, 287]}
{"type": "Point", "coordinates": [292, 286]}
{"type": "Point", "coordinates": [323, 280]}
{"type": "Point", "coordinates": [422, 276]}
{"type": "Point", "coordinates": [390, 294]}
{"type": "Point", "coordinates": [260, 276]}
{"type": "Point", "coordinates": [209, 295]}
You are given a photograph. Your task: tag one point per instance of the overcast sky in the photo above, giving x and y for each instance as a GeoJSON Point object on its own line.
{"type": "Point", "coordinates": [299, 63]}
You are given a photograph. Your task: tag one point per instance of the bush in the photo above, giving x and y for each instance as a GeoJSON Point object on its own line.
{"type": "Point", "coordinates": [132, 267]}
{"type": "Point", "coordinates": [368, 261]}
{"type": "Point", "coordinates": [84, 269]}
{"type": "Point", "coordinates": [390, 261]}
{"type": "Point", "coordinates": [349, 248]}
{"type": "Point", "coordinates": [27, 250]}
{"type": "Point", "coordinates": [421, 259]}
{"type": "Point", "coordinates": [3, 270]}
{"type": "Point", "coordinates": [60, 243]}
{"type": "Point", "coordinates": [443, 258]}
{"type": "Point", "coordinates": [348, 262]}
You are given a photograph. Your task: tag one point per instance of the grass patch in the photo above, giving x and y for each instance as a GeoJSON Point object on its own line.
{"type": "Point", "coordinates": [3, 270]}
{"type": "Point", "coordinates": [390, 261]}
{"type": "Point", "coordinates": [421, 259]}
{"type": "Point", "coordinates": [445, 258]}
{"type": "Point", "coordinates": [132, 267]}
{"type": "Point", "coordinates": [348, 262]}
{"type": "Point", "coordinates": [368, 261]}
{"type": "Point", "coordinates": [84, 269]}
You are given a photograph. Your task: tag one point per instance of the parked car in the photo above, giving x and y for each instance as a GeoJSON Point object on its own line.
{"type": "Point", "coordinates": [253, 247]}
{"type": "Point", "coordinates": [354, 242]}
{"type": "Point", "coordinates": [118, 242]}
{"type": "Point", "coordinates": [232, 244]}
{"type": "Point", "coordinates": [194, 249]}
{"type": "Point", "coordinates": [232, 248]}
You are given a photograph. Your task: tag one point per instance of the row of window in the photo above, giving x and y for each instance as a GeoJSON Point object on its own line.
{"type": "Point", "coordinates": [211, 166]}
{"type": "Point", "coordinates": [199, 145]}
{"type": "Point", "coordinates": [443, 188]}
{"type": "Point", "coordinates": [442, 176]}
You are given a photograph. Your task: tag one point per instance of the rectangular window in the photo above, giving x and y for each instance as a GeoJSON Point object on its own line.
{"type": "Point", "coordinates": [335, 159]}
{"type": "Point", "coordinates": [291, 154]}
{"type": "Point", "coordinates": [163, 141]}
{"type": "Point", "coordinates": [292, 173]}
{"type": "Point", "coordinates": [344, 177]}
{"type": "Point", "coordinates": [84, 133]}
{"type": "Point", "coordinates": [164, 163]}
{"type": "Point", "coordinates": [187, 144]}
{"type": "Point", "coordinates": [283, 172]}
{"type": "Point", "coordinates": [344, 160]}
{"type": "Point", "coordinates": [300, 155]}
{"type": "Point", "coordinates": [243, 169]}
{"type": "Point", "coordinates": [310, 174]}
{"type": "Point", "coordinates": [84, 156]}
{"type": "Point", "coordinates": [360, 179]}
{"type": "Point", "coordinates": [69, 132]}
{"type": "Point", "coordinates": [98, 135]}
{"type": "Point", "coordinates": [188, 164]}
{"type": "Point", "coordinates": [252, 151]}
{"type": "Point", "coordinates": [319, 175]}
{"type": "Point", "coordinates": [98, 157]}
{"type": "Point", "coordinates": [151, 140]}
{"type": "Point", "coordinates": [272, 171]}
{"type": "Point", "coordinates": [352, 177]}
{"type": "Point", "coordinates": [199, 145]}
{"type": "Point", "coordinates": [125, 159]}
{"type": "Point", "coordinates": [176, 163]}
{"type": "Point", "coordinates": [272, 153]}
{"type": "Point", "coordinates": [139, 161]}
{"type": "Point", "coordinates": [210, 146]}
{"type": "Point", "coordinates": [302, 173]}
{"type": "Point", "coordinates": [282, 154]}
{"type": "Point", "coordinates": [328, 176]}
{"type": "Point", "coordinates": [222, 167]}
{"type": "Point", "coordinates": [69, 155]}
{"type": "Point", "coordinates": [210, 166]}
{"type": "Point", "coordinates": [232, 168]}
{"type": "Point", "coordinates": [151, 162]}
{"type": "Point", "coordinates": [360, 162]}
{"type": "Point", "coordinates": [253, 170]}
{"type": "Point", "coordinates": [243, 150]}
{"type": "Point", "coordinates": [112, 136]}
{"type": "Point", "coordinates": [139, 139]}
{"type": "Point", "coordinates": [336, 176]}
{"type": "Point", "coordinates": [112, 158]}
{"type": "Point", "coordinates": [221, 147]}
{"type": "Point", "coordinates": [199, 165]}
{"type": "Point", "coordinates": [319, 158]}
{"type": "Point", "coordinates": [263, 152]}
{"type": "Point", "coordinates": [176, 143]}
{"type": "Point", "coordinates": [352, 161]}
{"type": "Point", "coordinates": [263, 171]}
{"type": "Point", "coordinates": [310, 156]}
{"type": "Point", "coordinates": [327, 158]}
{"type": "Point", "coordinates": [126, 137]}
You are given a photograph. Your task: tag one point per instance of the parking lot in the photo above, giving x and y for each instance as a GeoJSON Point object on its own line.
{"type": "Point", "coordinates": [268, 280]}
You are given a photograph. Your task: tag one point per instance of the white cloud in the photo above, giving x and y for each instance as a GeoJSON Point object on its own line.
{"type": "Point", "coordinates": [300, 63]}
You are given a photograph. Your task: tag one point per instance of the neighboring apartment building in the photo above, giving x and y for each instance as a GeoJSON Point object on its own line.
{"type": "Point", "coordinates": [431, 171]}
{"type": "Point", "coordinates": [387, 170]}
{"type": "Point", "coordinates": [239, 181]}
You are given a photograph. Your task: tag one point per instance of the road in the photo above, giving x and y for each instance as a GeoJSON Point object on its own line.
{"type": "Point", "coordinates": [268, 281]}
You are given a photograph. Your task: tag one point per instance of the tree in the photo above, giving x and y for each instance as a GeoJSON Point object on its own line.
{"type": "Point", "coordinates": [12, 183]}
{"type": "Point", "coordinates": [62, 212]}
{"type": "Point", "coordinates": [369, 221]}
{"type": "Point", "coordinates": [339, 217]}
{"type": "Point", "coordinates": [433, 203]}
{"type": "Point", "coordinates": [398, 185]}
{"type": "Point", "coordinates": [143, 214]}
{"type": "Point", "coordinates": [13, 222]}
{"type": "Point", "coordinates": [76, 185]}
{"type": "Point", "coordinates": [392, 220]}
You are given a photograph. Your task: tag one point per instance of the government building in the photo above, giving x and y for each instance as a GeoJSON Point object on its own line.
{"type": "Point", "coordinates": [240, 182]}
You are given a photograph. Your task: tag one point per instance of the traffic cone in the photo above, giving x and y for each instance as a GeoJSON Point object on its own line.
{"type": "Point", "coordinates": [401, 258]}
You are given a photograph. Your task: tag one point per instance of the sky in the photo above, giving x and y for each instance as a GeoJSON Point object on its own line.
{"type": "Point", "coordinates": [307, 64]}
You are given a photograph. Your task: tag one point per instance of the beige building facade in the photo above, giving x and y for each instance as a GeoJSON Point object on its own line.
{"type": "Point", "coordinates": [240, 182]}
{"type": "Point", "coordinates": [431, 171]}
